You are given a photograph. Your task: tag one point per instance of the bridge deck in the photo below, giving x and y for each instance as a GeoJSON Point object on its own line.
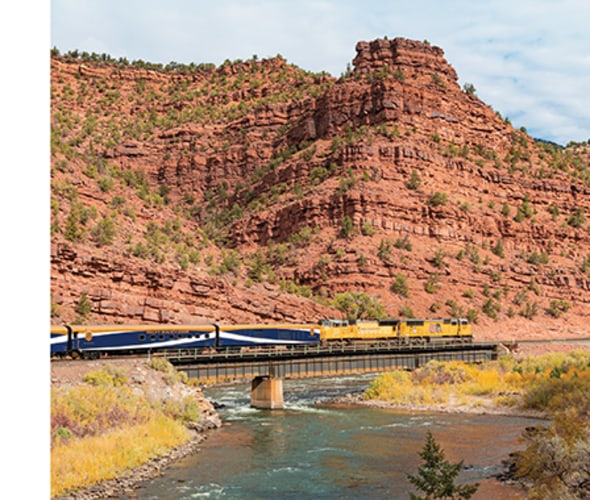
{"type": "Point", "coordinates": [321, 361]}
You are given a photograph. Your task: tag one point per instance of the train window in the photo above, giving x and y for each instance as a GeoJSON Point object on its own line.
{"type": "Point", "coordinates": [336, 322]}
{"type": "Point", "coordinates": [142, 337]}
{"type": "Point", "coordinates": [152, 337]}
{"type": "Point", "coordinates": [161, 337]}
{"type": "Point", "coordinates": [206, 335]}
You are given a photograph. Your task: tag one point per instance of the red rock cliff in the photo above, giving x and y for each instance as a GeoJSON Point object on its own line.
{"type": "Point", "coordinates": [257, 191]}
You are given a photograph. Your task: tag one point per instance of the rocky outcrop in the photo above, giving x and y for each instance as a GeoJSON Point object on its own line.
{"type": "Point", "coordinates": [406, 58]}
{"type": "Point", "coordinates": [133, 292]}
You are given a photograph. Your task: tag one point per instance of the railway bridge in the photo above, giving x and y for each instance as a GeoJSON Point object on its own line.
{"type": "Point", "coordinates": [267, 367]}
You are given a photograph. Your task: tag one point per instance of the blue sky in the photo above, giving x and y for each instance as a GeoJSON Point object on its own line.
{"type": "Point", "coordinates": [528, 59]}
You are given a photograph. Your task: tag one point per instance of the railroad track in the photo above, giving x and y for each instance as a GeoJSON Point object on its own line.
{"type": "Point", "coordinates": [514, 343]}
{"type": "Point", "coordinates": [567, 340]}
{"type": "Point", "coordinates": [112, 358]}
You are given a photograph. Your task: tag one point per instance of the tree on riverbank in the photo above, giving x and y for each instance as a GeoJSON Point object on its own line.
{"type": "Point", "coordinates": [436, 476]}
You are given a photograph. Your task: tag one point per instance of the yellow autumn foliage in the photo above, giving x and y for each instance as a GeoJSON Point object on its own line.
{"type": "Point", "coordinates": [86, 461]}
{"type": "Point", "coordinates": [530, 382]}
{"type": "Point", "coordinates": [103, 427]}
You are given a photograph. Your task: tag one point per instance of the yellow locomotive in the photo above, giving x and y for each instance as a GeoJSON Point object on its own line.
{"type": "Point", "coordinates": [404, 330]}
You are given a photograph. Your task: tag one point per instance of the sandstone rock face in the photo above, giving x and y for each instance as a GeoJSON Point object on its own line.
{"type": "Point", "coordinates": [258, 192]}
{"type": "Point", "coordinates": [408, 56]}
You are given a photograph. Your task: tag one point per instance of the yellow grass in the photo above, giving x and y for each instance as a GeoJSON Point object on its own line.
{"type": "Point", "coordinates": [86, 461]}
{"type": "Point", "coordinates": [530, 382]}
{"type": "Point", "coordinates": [103, 427]}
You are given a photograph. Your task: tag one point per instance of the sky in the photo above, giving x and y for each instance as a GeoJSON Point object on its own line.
{"type": "Point", "coordinates": [528, 59]}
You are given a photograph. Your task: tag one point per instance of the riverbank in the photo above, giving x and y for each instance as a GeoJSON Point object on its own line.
{"type": "Point", "coordinates": [160, 388]}
{"type": "Point", "coordinates": [479, 406]}
{"type": "Point", "coordinates": [127, 483]}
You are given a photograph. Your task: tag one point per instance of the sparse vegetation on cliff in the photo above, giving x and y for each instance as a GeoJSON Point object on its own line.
{"type": "Point", "coordinates": [176, 183]}
{"type": "Point", "coordinates": [359, 305]}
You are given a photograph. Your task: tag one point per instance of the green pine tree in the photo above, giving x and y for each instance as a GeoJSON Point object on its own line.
{"type": "Point", "coordinates": [436, 477]}
{"type": "Point", "coordinates": [83, 309]}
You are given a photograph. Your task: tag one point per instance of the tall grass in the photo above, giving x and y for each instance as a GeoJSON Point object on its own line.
{"type": "Point", "coordinates": [556, 460]}
{"type": "Point", "coordinates": [542, 383]}
{"type": "Point", "coordinates": [399, 387]}
{"type": "Point", "coordinates": [85, 461]}
{"type": "Point", "coordinates": [91, 410]}
{"type": "Point", "coordinates": [103, 427]}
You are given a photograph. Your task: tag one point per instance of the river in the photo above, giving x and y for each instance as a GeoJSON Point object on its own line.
{"type": "Point", "coordinates": [314, 451]}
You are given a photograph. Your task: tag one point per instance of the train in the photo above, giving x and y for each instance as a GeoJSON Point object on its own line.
{"type": "Point", "coordinates": [97, 340]}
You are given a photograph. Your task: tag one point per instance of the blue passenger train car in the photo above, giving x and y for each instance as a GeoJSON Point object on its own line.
{"type": "Point", "coordinates": [261, 335]}
{"type": "Point", "coordinates": [129, 339]}
{"type": "Point", "coordinates": [104, 339]}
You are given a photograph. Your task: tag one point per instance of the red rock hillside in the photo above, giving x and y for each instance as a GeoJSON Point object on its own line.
{"type": "Point", "coordinates": [260, 192]}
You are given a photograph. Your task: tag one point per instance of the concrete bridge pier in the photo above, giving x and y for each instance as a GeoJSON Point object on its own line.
{"type": "Point", "coordinates": [267, 393]}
